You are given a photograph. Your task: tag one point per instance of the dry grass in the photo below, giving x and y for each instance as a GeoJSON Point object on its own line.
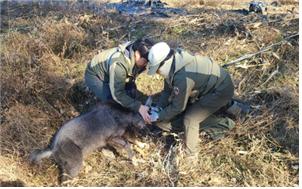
{"type": "Point", "coordinates": [219, 3]}
{"type": "Point", "coordinates": [288, 2]}
{"type": "Point", "coordinates": [43, 58]}
{"type": "Point", "coordinates": [150, 85]}
{"type": "Point", "coordinates": [211, 3]}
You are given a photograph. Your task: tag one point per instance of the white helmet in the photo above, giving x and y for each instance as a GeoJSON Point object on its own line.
{"type": "Point", "coordinates": [157, 54]}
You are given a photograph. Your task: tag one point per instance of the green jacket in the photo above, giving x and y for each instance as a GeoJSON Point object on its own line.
{"type": "Point", "coordinates": [116, 66]}
{"type": "Point", "coordinates": [189, 77]}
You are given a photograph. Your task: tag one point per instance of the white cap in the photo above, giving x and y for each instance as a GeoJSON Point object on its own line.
{"type": "Point", "coordinates": [157, 54]}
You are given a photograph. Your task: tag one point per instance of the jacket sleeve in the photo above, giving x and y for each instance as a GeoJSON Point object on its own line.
{"type": "Point", "coordinates": [181, 92]}
{"type": "Point", "coordinates": [117, 77]}
{"type": "Point", "coordinates": [164, 96]}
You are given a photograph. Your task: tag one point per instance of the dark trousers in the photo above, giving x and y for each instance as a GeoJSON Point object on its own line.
{"type": "Point", "coordinates": [100, 88]}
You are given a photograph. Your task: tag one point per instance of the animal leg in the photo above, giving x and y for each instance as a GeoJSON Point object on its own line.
{"type": "Point", "coordinates": [70, 168]}
{"type": "Point", "coordinates": [131, 136]}
{"type": "Point", "coordinates": [70, 159]}
{"type": "Point", "coordinates": [129, 150]}
{"type": "Point", "coordinates": [138, 146]}
{"type": "Point", "coordinates": [123, 143]}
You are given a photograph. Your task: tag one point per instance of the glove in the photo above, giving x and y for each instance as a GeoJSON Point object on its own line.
{"type": "Point", "coordinates": [153, 115]}
{"type": "Point", "coordinates": [153, 112]}
{"type": "Point", "coordinates": [155, 109]}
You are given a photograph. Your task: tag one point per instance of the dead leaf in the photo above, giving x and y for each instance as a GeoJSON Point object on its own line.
{"type": "Point", "coordinates": [256, 25]}
{"type": "Point", "coordinates": [276, 56]}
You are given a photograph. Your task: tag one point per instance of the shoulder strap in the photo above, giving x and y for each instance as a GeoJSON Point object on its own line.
{"type": "Point", "coordinates": [172, 70]}
{"type": "Point", "coordinates": [121, 48]}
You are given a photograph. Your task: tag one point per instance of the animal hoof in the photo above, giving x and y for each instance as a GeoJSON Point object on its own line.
{"type": "Point", "coordinates": [64, 178]}
{"type": "Point", "coordinates": [142, 145]}
{"type": "Point", "coordinates": [108, 154]}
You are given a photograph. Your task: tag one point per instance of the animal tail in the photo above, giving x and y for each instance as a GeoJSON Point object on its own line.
{"type": "Point", "coordinates": [37, 155]}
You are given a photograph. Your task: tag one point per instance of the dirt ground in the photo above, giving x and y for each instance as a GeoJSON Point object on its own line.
{"type": "Point", "coordinates": [46, 46]}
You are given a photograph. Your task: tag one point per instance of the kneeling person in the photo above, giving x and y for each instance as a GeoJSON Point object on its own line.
{"type": "Point", "coordinates": [109, 73]}
{"type": "Point", "coordinates": [195, 87]}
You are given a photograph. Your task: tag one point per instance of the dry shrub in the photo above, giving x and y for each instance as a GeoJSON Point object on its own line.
{"type": "Point", "coordinates": [25, 127]}
{"type": "Point", "coordinates": [289, 2]}
{"type": "Point", "coordinates": [289, 56]}
{"type": "Point", "coordinates": [63, 38]}
{"type": "Point", "coordinates": [95, 28]}
{"type": "Point", "coordinates": [32, 75]}
{"type": "Point", "coordinates": [20, 65]}
{"type": "Point", "coordinates": [24, 67]}
{"type": "Point", "coordinates": [21, 50]}
{"type": "Point", "coordinates": [266, 35]}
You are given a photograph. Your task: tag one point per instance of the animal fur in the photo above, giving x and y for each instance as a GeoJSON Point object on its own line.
{"type": "Point", "coordinates": [106, 124]}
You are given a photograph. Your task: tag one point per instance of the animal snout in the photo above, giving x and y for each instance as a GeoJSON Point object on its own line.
{"type": "Point", "coordinates": [141, 124]}
{"type": "Point", "coordinates": [138, 121]}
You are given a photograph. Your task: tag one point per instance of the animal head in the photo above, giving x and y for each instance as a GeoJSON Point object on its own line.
{"type": "Point", "coordinates": [124, 115]}
{"type": "Point", "coordinates": [137, 121]}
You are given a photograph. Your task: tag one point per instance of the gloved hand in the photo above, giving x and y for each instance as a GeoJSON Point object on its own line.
{"type": "Point", "coordinates": [153, 116]}
{"type": "Point", "coordinates": [155, 108]}
{"type": "Point", "coordinates": [153, 112]}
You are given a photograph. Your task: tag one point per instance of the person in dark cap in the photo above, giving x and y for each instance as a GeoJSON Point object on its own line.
{"type": "Point", "coordinates": [111, 74]}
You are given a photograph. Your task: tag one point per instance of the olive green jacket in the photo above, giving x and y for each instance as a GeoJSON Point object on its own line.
{"type": "Point", "coordinates": [189, 77]}
{"type": "Point", "coordinates": [116, 66]}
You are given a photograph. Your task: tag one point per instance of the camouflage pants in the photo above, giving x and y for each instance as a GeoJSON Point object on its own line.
{"type": "Point", "coordinates": [200, 116]}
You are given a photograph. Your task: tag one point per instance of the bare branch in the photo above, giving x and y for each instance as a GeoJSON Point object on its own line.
{"type": "Point", "coordinates": [247, 56]}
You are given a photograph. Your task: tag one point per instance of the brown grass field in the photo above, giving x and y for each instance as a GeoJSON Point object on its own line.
{"type": "Point", "coordinates": [44, 51]}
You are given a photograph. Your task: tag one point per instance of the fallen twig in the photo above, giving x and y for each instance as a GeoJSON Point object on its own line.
{"type": "Point", "coordinates": [168, 165]}
{"type": "Point", "coordinates": [247, 56]}
{"type": "Point", "coordinates": [271, 76]}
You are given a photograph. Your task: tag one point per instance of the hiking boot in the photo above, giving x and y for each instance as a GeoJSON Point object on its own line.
{"type": "Point", "coordinates": [238, 108]}
{"type": "Point", "coordinates": [169, 141]}
{"type": "Point", "coordinates": [204, 136]}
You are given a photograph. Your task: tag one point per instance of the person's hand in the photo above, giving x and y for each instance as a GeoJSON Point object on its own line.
{"type": "Point", "coordinates": [143, 111]}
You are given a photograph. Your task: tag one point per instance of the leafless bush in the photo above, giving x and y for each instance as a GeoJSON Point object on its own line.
{"type": "Point", "coordinates": [63, 38]}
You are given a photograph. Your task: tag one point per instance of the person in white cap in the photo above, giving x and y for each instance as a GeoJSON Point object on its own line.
{"type": "Point", "coordinates": [195, 88]}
